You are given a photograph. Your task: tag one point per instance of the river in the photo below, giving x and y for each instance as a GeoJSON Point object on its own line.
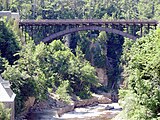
{"type": "Point", "coordinates": [97, 112]}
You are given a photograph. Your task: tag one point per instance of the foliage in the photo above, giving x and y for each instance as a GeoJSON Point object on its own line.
{"type": "Point", "coordinates": [49, 66]}
{"type": "Point", "coordinates": [42, 66]}
{"type": "Point", "coordinates": [87, 9]}
{"type": "Point", "coordinates": [70, 9]}
{"type": "Point", "coordinates": [62, 91]}
{"type": "Point", "coordinates": [4, 112]}
{"type": "Point", "coordinates": [8, 42]}
{"type": "Point", "coordinates": [100, 50]}
{"type": "Point", "coordinates": [143, 65]}
{"type": "Point", "coordinates": [3, 63]}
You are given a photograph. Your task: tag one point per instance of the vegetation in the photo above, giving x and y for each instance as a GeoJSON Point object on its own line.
{"type": "Point", "coordinates": [86, 9]}
{"type": "Point", "coordinates": [142, 93]}
{"type": "Point", "coordinates": [33, 70]}
{"type": "Point", "coordinates": [62, 92]}
{"type": "Point", "coordinates": [9, 44]}
{"type": "Point", "coordinates": [4, 112]}
{"type": "Point", "coordinates": [3, 62]}
{"type": "Point", "coordinates": [50, 66]}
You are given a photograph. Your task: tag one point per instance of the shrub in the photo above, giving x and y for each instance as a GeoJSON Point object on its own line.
{"type": "Point", "coordinates": [4, 112]}
{"type": "Point", "coordinates": [62, 91]}
{"type": "Point", "coordinates": [3, 63]}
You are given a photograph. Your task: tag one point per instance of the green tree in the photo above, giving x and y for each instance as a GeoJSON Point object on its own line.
{"type": "Point", "coordinates": [9, 44]}
{"type": "Point", "coordinates": [47, 66]}
{"type": "Point", "coordinates": [143, 65]}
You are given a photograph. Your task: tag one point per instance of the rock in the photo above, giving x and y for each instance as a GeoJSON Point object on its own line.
{"type": "Point", "coordinates": [29, 103]}
{"type": "Point", "coordinates": [109, 107]}
{"type": "Point", "coordinates": [118, 109]}
{"type": "Point", "coordinates": [102, 76]}
{"type": "Point", "coordinates": [86, 102]}
{"type": "Point", "coordinates": [109, 95]}
{"type": "Point", "coordinates": [53, 104]}
{"type": "Point", "coordinates": [92, 113]}
{"type": "Point", "coordinates": [60, 104]}
{"type": "Point", "coordinates": [65, 109]}
{"type": "Point", "coordinates": [104, 100]}
{"type": "Point", "coordinates": [101, 99]}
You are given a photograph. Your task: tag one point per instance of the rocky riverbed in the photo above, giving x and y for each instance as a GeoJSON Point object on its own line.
{"type": "Point", "coordinates": [98, 112]}
{"type": "Point", "coordinates": [99, 107]}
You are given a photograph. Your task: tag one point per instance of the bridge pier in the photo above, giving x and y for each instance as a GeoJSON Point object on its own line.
{"type": "Point", "coordinates": [148, 27]}
{"type": "Point", "coordinates": [32, 31]}
{"type": "Point", "coordinates": [155, 26]}
{"type": "Point", "coordinates": [141, 30]}
{"type": "Point", "coordinates": [25, 34]}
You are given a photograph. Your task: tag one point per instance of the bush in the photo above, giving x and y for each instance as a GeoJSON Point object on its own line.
{"type": "Point", "coordinates": [3, 62]}
{"type": "Point", "coordinates": [62, 91]}
{"type": "Point", "coordinates": [4, 113]}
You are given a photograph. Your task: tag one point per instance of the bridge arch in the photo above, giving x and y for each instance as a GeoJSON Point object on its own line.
{"type": "Point", "coordinates": [72, 30]}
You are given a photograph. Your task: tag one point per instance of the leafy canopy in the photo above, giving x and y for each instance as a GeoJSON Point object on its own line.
{"type": "Point", "coordinates": [50, 66]}
{"type": "Point", "coordinates": [143, 66]}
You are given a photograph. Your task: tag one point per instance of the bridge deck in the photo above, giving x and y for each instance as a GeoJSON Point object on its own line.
{"type": "Point", "coordinates": [86, 21]}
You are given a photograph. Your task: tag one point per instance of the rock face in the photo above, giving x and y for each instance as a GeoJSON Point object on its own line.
{"type": "Point", "coordinates": [104, 100]}
{"type": "Point", "coordinates": [97, 99]}
{"type": "Point", "coordinates": [102, 76]}
{"type": "Point", "coordinates": [29, 103]}
{"type": "Point", "coordinates": [53, 108]}
{"type": "Point", "coordinates": [101, 72]}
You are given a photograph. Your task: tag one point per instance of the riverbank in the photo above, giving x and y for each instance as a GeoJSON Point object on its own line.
{"type": "Point", "coordinates": [99, 107]}
{"type": "Point", "coordinates": [98, 112]}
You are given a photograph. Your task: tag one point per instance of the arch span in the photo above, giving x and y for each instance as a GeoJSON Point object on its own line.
{"type": "Point", "coordinates": [72, 30]}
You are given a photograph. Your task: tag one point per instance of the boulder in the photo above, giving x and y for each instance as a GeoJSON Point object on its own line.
{"type": "Point", "coordinates": [101, 99]}
{"type": "Point", "coordinates": [86, 102]}
{"type": "Point", "coordinates": [109, 107]}
{"type": "Point", "coordinates": [65, 109]}
{"type": "Point", "coordinates": [104, 100]}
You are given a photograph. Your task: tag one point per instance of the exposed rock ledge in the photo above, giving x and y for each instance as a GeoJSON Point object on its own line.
{"type": "Point", "coordinates": [97, 99]}
{"type": "Point", "coordinates": [59, 108]}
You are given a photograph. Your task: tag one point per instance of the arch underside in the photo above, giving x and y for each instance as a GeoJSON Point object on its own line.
{"type": "Point", "coordinates": [72, 30]}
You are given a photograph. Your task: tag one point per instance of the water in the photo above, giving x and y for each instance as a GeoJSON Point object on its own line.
{"type": "Point", "coordinates": [88, 113]}
{"type": "Point", "coordinates": [93, 113]}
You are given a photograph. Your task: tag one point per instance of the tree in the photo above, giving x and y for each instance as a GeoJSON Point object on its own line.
{"type": "Point", "coordinates": [142, 95]}
{"type": "Point", "coordinates": [9, 44]}
{"type": "Point", "coordinates": [48, 66]}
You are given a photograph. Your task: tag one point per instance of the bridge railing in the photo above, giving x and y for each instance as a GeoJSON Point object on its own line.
{"type": "Point", "coordinates": [87, 21]}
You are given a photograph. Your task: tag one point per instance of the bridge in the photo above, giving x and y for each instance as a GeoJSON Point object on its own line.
{"type": "Point", "coordinates": [54, 29]}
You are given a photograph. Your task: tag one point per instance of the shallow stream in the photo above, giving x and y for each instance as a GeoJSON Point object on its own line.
{"type": "Point", "coordinates": [99, 112]}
